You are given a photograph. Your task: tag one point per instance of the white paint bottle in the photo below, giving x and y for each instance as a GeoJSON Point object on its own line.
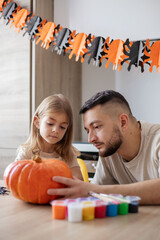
{"type": "Point", "coordinates": [75, 212]}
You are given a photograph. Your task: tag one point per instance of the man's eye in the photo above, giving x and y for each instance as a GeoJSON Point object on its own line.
{"type": "Point", "coordinates": [97, 126]}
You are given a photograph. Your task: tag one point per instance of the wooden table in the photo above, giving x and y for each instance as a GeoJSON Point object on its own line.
{"type": "Point", "coordinates": [23, 221]}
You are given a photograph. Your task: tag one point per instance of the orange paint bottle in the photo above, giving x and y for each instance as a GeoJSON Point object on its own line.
{"type": "Point", "coordinates": [58, 209]}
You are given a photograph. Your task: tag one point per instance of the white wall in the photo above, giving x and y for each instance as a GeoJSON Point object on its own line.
{"type": "Point", "coordinates": [142, 92]}
{"type": "Point", "coordinates": [136, 20]}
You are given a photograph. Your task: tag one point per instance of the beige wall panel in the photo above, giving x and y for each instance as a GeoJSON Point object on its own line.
{"type": "Point", "coordinates": [54, 73]}
{"type": "Point", "coordinates": [14, 89]}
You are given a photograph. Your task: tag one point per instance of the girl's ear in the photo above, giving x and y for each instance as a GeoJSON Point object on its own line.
{"type": "Point", "coordinates": [36, 122]}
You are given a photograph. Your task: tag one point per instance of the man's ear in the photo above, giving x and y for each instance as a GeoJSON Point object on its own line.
{"type": "Point", "coordinates": [36, 122]}
{"type": "Point", "coordinates": [124, 119]}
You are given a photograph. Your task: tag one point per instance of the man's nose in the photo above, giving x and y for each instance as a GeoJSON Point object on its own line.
{"type": "Point", "coordinates": [91, 137]}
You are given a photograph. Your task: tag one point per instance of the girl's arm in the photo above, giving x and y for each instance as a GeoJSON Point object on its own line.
{"type": "Point", "coordinates": [74, 165]}
{"type": "Point", "coordinates": [76, 172]}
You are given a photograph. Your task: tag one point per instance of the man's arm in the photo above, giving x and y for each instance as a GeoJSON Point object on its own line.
{"type": "Point", "coordinates": [148, 191]}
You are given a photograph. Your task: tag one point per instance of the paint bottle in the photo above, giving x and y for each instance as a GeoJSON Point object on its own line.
{"type": "Point", "coordinates": [67, 201]}
{"type": "Point", "coordinates": [100, 209]}
{"type": "Point", "coordinates": [58, 209]}
{"type": "Point", "coordinates": [134, 205]}
{"type": "Point", "coordinates": [75, 212]}
{"type": "Point", "coordinates": [123, 208]}
{"type": "Point", "coordinates": [88, 210]}
{"type": "Point", "coordinates": [112, 209]}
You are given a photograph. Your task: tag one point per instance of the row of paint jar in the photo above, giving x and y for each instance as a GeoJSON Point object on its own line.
{"type": "Point", "coordinates": [77, 210]}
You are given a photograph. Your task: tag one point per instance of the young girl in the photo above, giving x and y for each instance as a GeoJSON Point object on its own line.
{"type": "Point", "coordinates": [51, 133]}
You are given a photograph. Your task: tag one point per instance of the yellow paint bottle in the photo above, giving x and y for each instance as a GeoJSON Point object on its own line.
{"type": "Point", "coordinates": [88, 210]}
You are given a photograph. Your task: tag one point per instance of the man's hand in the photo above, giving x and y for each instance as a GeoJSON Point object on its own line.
{"type": "Point", "coordinates": [74, 188]}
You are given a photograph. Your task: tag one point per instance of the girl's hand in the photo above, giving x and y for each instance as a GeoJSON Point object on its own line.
{"type": "Point", "coordinates": [74, 188]}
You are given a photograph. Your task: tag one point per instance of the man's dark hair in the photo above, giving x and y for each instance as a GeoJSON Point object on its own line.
{"type": "Point", "coordinates": [104, 97]}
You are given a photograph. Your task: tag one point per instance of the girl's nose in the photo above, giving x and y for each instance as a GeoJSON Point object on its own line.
{"type": "Point", "coordinates": [54, 129]}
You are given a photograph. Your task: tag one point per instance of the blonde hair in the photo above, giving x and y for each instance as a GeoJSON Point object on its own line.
{"type": "Point", "coordinates": [53, 103]}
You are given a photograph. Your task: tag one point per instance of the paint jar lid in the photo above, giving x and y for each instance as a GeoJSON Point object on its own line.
{"type": "Point", "coordinates": [133, 199]}
{"type": "Point", "coordinates": [70, 200]}
{"type": "Point", "coordinates": [92, 198]}
{"type": "Point", "coordinates": [58, 203]}
{"type": "Point", "coordinates": [88, 204]}
{"type": "Point", "coordinates": [82, 199]}
{"type": "Point", "coordinates": [100, 203]}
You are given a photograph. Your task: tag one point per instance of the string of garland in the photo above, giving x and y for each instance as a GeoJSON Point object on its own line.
{"type": "Point", "coordinates": [64, 40]}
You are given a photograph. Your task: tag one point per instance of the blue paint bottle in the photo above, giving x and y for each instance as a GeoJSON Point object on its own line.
{"type": "Point", "coordinates": [112, 209]}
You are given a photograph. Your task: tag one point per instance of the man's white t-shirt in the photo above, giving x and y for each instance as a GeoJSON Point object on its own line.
{"type": "Point", "coordinates": [145, 166]}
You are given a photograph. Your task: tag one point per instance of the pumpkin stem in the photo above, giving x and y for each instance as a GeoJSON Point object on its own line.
{"type": "Point", "coordinates": [36, 156]}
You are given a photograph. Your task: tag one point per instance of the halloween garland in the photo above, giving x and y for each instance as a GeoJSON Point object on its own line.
{"type": "Point", "coordinates": [64, 40]}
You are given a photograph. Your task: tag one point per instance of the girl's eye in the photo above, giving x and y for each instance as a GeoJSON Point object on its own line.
{"type": "Point", "coordinates": [62, 127]}
{"type": "Point", "coordinates": [50, 124]}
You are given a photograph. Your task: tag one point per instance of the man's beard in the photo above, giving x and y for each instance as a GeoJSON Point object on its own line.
{"type": "Point", "coordinates": [114, 143]}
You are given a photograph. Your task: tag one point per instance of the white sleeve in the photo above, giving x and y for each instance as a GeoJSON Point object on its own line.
{"type": "Point", "coordinates": [22, 154]}
{"type": "Point", "coordinates": [159, 162]}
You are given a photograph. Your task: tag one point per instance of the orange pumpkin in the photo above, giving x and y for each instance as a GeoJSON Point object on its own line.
{"type": "Point", "coordinates": [29, 180]}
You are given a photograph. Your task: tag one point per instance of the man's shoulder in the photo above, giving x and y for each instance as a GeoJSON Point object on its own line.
{"type": "Point", "coordinates": [150, 128]}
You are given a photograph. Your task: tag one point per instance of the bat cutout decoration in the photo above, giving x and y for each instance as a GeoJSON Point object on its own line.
{"type": "Point", "coordinates": [95, 50]}
{"type": "Point", "coordinates": [77, 46]}
{"type": "Point", "coordinates": [32, 26]}
{"type": "Point", "coordinates": [134, 52]}
{"type": "Point", "coordinates": [60, 41]}
{"type": "Point", "coordinates": [113, 53]}
{"type": "Point", "coordinates": [3, 4]}
{"type": "Point", "coordinates": [153, 55]}
{"type": "Point", "coordinates": [19, 19]}
{"type": "Point", "coordinates": [8, 10]}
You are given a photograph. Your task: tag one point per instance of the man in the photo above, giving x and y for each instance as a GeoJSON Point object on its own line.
{"type": "Point", "coordinates": [129, 151]}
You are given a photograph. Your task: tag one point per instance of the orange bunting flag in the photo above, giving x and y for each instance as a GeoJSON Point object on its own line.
{"type": "Point", "coordinates": [153, 54]}
{"type": "Point", "coordinates": [77, 46]}
{"type": "Point", "coordinates": [46, 34]}
{"type": "Point", "coordinates": [19, 18]}
{"type": "Point", "coordinates": [114, 53]}
{"type": "Point", "coordinates": [3, 4]}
